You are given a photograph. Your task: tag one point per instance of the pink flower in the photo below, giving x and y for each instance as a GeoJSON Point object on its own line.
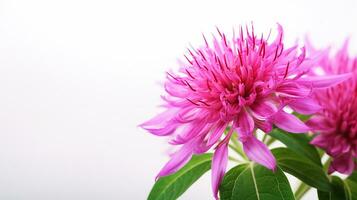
{"type": "Point", "coordinates": [241, 85]}
{"type": "Point", "coordinates": [336, 123]}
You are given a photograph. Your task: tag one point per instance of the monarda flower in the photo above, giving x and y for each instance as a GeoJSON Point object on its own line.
{"type": "Point", "coordinates": [336, 123]}
{"type": "Point", "coordinates": [238, 85]}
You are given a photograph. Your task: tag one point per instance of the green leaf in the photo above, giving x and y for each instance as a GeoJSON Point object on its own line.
{"type": "Point", "coordinates": [353, 188]}
{"type": "Point", "coordinates": [302, 168]}
{"type": "Point", "coordinates": [255, 182]}
{"type": "Point", "coordinates": [340, 190]}
{"type": "Point", "coordinates": [226, 187]}
{"type": "Point", "coordinates": [172, 186]}
{"type": "Point", "coordinates": [351, 181]}
{"type": "Point", "coordinates": [298, 143]}
{"type": "Point", "coordinates": [302, 117]}
{"type": "Point", "coordinates": [353, 177]}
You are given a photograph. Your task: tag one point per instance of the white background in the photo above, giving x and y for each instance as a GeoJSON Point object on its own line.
{"type": "Point", "coordinates": [77, 77]}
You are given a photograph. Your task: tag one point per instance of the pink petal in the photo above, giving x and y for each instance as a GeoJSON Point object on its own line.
{"type": "Point", "coordinates": [263, 109]}
{"type": "Point", "coordinates": [293, 90]}
{"type": "Point", "coordinates": [201, 145]}
{"type": "Point", "coordinates": [290, 123]}
{"type": "Point", "coordinates": [216, 133]}
{"type": "Point", "coordinates": [201, 148]}
{"type": "Point", "coordinates": [161, 125]}
{"type": "Point", "coordinates": [259, 152]}
{"type": "Point", "coordinates": [178, 160]}
{"type": "Point", "coordinates": [187, 114]}
{"type": "Point", "coordinates": [190, 131]}
{"type": "Point", "coordinates": [219, 164]}
{"type": "Point", "coordinates": [265, 126]}
{"type": "Point", "coordinates": [320, 141]}
{"type": "Point", "coordinates": [245, 124]}
{"type": "Point", "coordinates": [343, 164]}
{"type": "Point", "coordinates": [174, 91]}
{"type": "Point", "coordinates": [317, 123]}
{"type": "Point", "coordinates": [302, 56]}
{"type": "Point", "coordinates": [159, 119]}
{"type": "Point", "coordinates": [324, 81]}
{"type": "Point", "coordinates": [279, 36]}
{"type": "Point", "coordinates": [306, 106]}
{"type": "Point", "coordinates": [167, 130]}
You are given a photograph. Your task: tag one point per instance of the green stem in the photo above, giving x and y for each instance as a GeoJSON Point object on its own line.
{"type": "Point", "coordinates": [301, 190]}
{"type": "Point", "coordinates": [327, 163]}
{"type": "Point", "coordinates": [265, 137]}
{"type": "Point", "coordinates": [270, 141]}
{"type": "Point", "coordinates": [321, 152]}
{"type": "Point", "coordinates": [238, 150]}
{"type": "Point", "coordinates": [231, 158]}
{"type": "Point", "coordinates": [238, 146]}
{"type": "Point", "coordinates": [234, 140]}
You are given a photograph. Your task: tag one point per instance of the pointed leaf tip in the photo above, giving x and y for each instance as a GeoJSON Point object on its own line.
{"type": "Point", "coordinates": [173, 186]}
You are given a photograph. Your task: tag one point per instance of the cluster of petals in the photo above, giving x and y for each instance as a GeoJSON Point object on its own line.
{"type": "Point", "coordinates": [235, 86]}
{"type": "Point", "coordinates": [336, 123]}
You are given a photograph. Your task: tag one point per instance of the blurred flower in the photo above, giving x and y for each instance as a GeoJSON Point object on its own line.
{"type": "Point", "coordinates": [240, 85]}
{"type": "Point", "coordinates": [336, 123]}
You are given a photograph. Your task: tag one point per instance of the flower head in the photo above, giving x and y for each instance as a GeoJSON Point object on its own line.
{"type": "Point", "coordinates": [240, 85]}
{"type": "Point", "coordinates": [336, 123]}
